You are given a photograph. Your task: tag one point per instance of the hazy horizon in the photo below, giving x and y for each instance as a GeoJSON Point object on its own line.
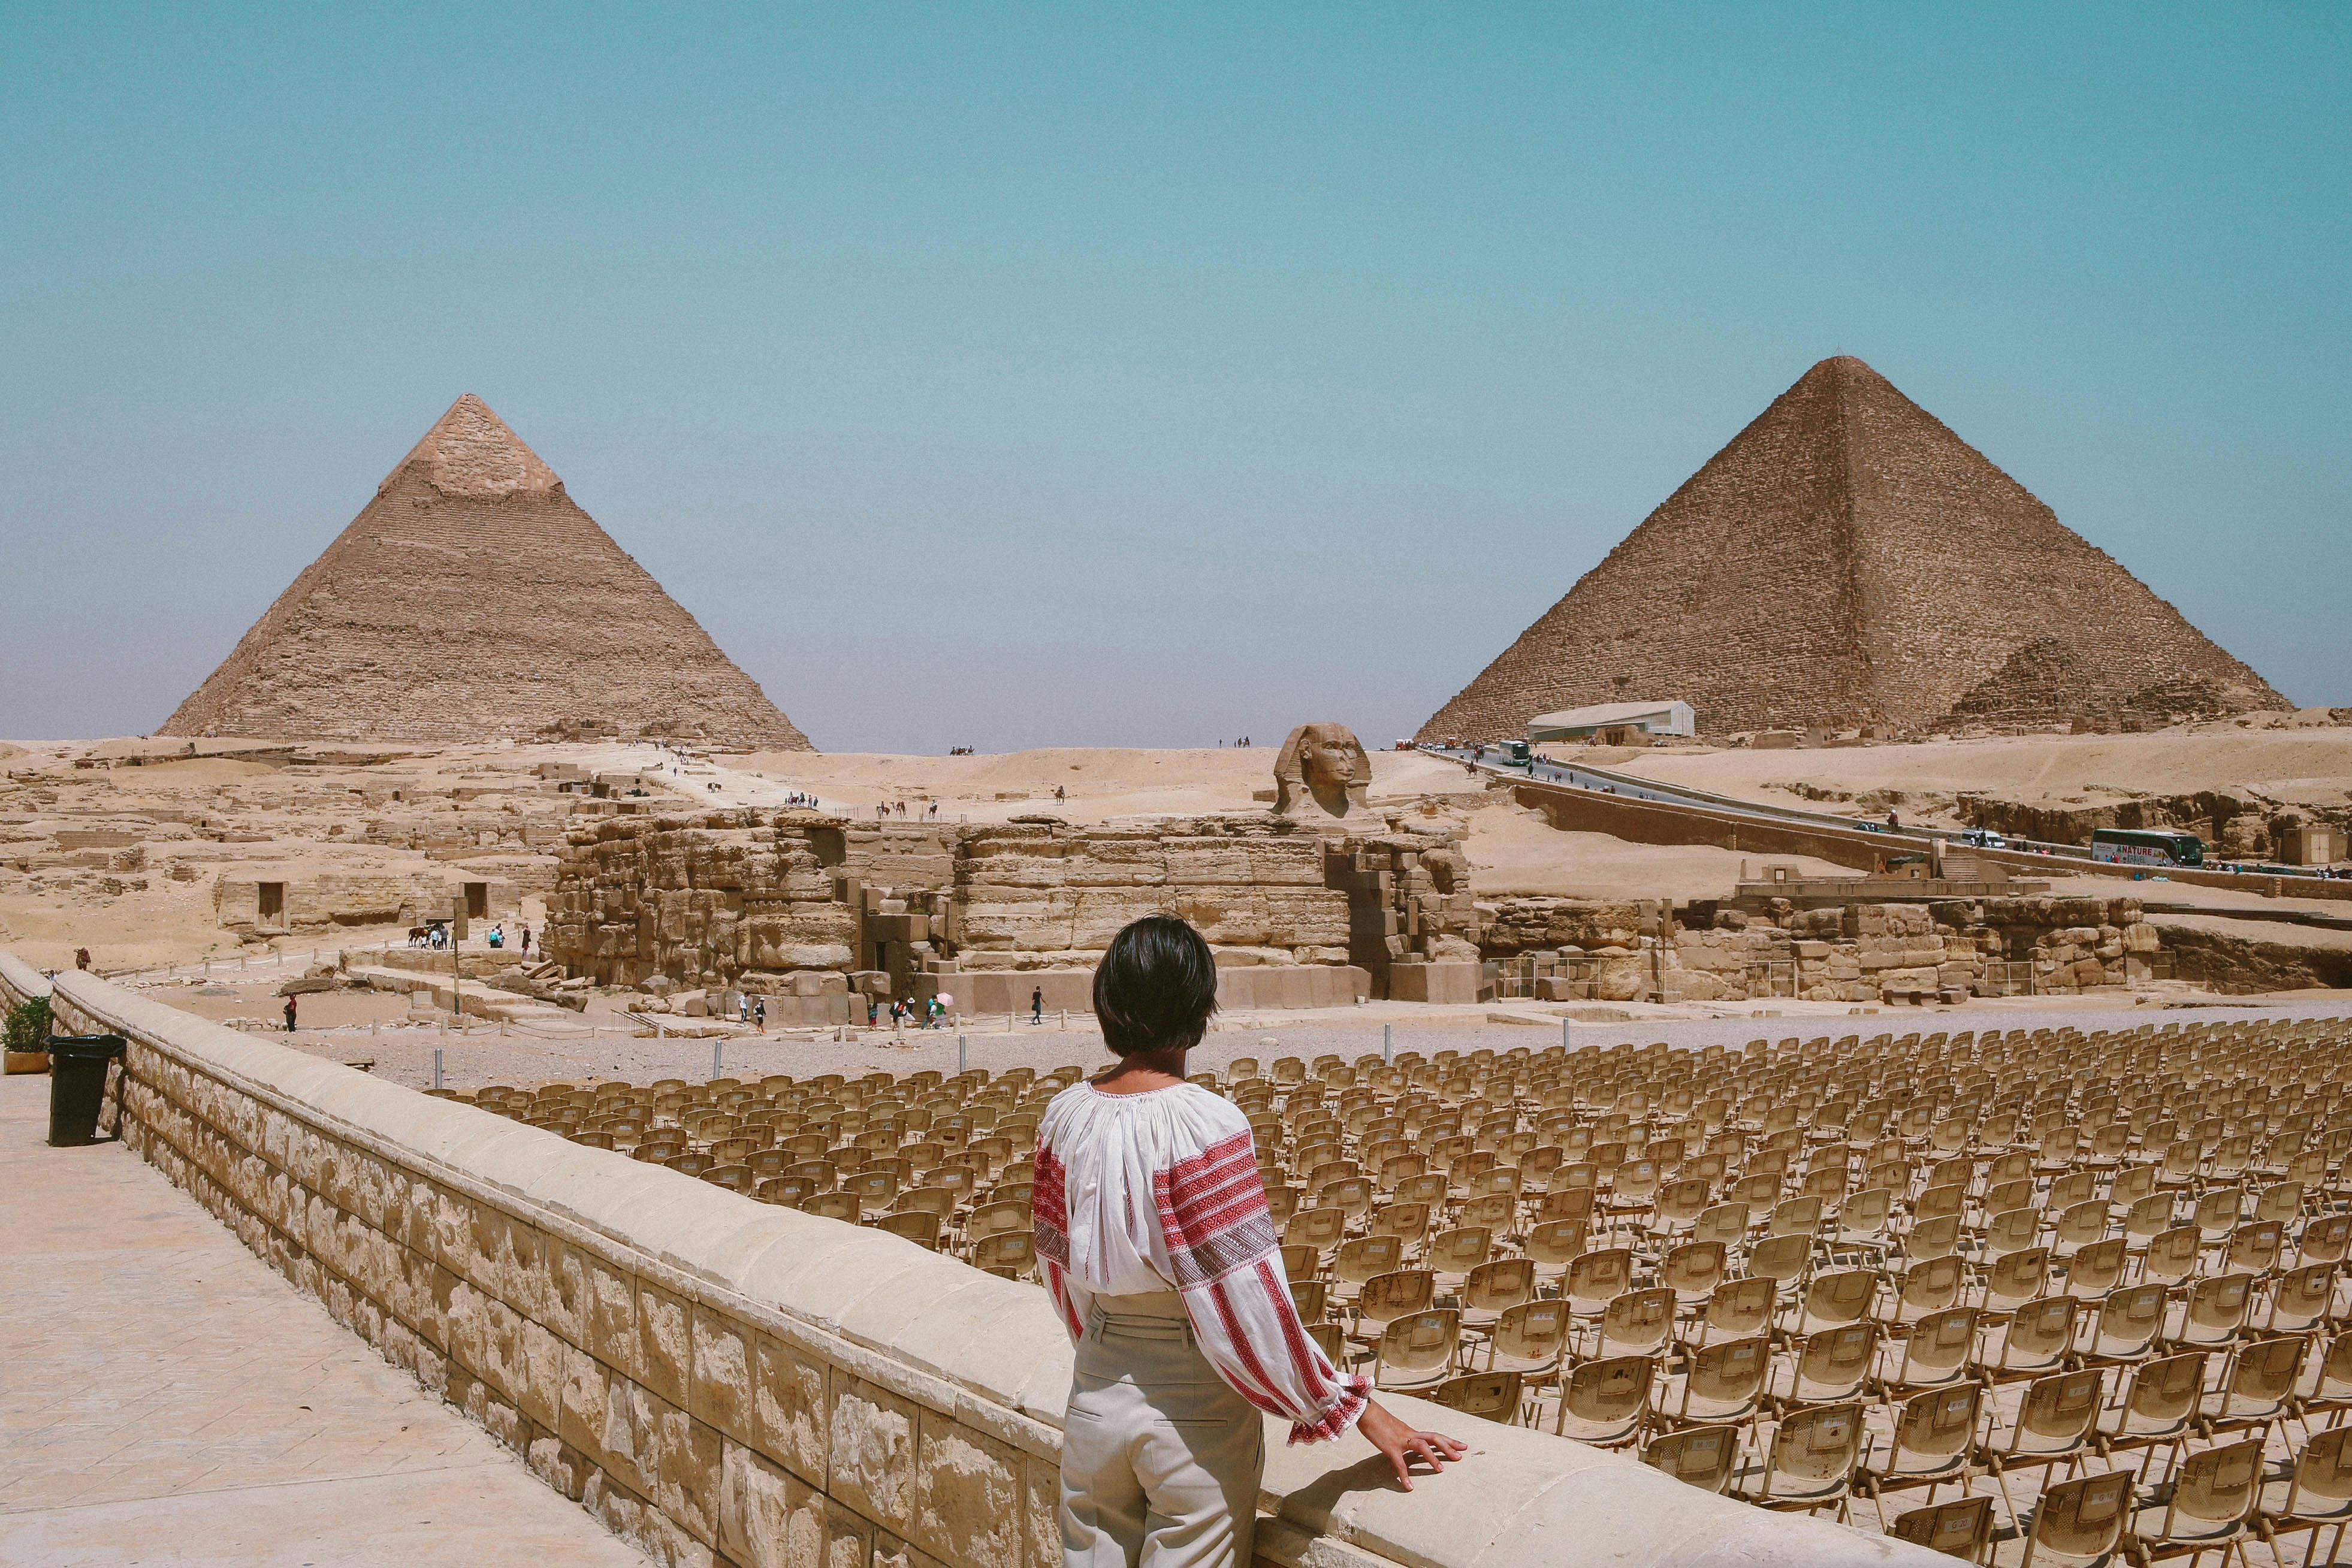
{"type": "Point", "coordinates": [1034, 377]}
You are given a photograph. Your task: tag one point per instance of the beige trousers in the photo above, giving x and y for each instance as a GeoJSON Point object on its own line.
{"type": "Point", "coordinates": [1160, 1459]}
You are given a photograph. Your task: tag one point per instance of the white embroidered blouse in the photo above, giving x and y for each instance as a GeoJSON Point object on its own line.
{"type": "Point", "coordinates": [1159, 1191]}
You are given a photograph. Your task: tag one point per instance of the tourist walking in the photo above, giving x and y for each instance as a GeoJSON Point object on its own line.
{"type": "Point", "coordinates": [1036, 1005]}
{"type": "Point", "coordinates": [1156, 1244]}
{"type": "Point", "coordinates": [289, 1015]}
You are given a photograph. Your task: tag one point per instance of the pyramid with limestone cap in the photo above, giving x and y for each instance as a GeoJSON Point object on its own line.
{"type": "Point", "coordinates": [472, 600]}
{"type": "Point", "coordinates": [1848, 559]}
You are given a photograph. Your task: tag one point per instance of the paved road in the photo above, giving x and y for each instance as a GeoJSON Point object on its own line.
{"type": "Point", "coordinates": [166, 1399]}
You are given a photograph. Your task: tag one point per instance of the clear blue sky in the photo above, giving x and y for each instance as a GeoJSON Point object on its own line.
{"type": "Point", "coordinates": [1141, 375]}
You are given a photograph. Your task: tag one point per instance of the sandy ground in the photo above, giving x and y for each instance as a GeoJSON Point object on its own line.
{"type": "Point", "coordinates": [1513, 851]}
{"type": "Point", "coordinates": [1098, 784]}
{"type": "Point", "coordinates": [2298, 766]}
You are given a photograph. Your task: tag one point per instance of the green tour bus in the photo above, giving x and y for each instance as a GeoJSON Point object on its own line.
{"type": "Point", "coordinates": [2147, 846]}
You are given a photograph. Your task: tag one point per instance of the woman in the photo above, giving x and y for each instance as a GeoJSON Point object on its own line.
{"type": "Point", "coordinates": [1156, 1244]}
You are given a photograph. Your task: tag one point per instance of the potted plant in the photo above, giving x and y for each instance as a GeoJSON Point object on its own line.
{"type": "Point", "coordinates": [28, 1035]}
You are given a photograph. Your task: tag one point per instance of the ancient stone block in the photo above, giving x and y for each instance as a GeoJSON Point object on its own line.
{"type": "Point", "coordinates": [968, 1495]}
{"type": "Point", "coordinates": [872, 1448]}
{"type": "Point", "coordinates": [720, 1388]}
{"type": "Point", "coordinates": [664, 1340]}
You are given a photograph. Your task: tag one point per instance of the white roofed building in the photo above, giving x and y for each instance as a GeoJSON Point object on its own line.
{"type": "Point", "coordinates": [1584, 723]}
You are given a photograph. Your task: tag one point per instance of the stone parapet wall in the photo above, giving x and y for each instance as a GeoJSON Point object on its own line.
{"type": "Point", "coordinates": [19, 982]}
{"type": "Point", "coordinates": [725, 1382]}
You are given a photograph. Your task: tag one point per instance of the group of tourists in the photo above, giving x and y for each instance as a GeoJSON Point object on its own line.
{"type": "Point", "coordinates": [931, 1013]}
{"type": "Point", "coordinates": [890, 809]}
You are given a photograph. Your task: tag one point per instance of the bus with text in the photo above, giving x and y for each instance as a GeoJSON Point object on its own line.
{"type": "Point", "coordinates": [2147, 846]}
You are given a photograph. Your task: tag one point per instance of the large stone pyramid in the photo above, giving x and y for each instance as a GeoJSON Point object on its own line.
{"type": "Point", "coordinates": [1848, 559]}
{"type": "Point", "coordinates": [472, 600]}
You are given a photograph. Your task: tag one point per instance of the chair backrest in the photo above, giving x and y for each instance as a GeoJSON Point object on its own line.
{"type": "Point", "coordinates": [1492, 1395]}
{"type": "Point", "coordinates": [2080, 1224]}
{"type": "Point", "coordinates": [2326, 1239]}
{"type": "Point", "coordinates": [1834, 1299]}
{"type": "Point", "coordinates": [1396, 1295]}
{"type": "Point", "coordinates": [917, 1226]}
{"type": "Point", "coordinates": [1694, 1269]}
{"type": "Point", "coordinates": [1866, 1213]}
{"type": "Point", "coordinates": [1530, 1334]}
{"type": "Point", "coordinates": [1931, 1286]}
{"type": "Point", "coordinates": [2082, 1520]}
{"type": "Point", "coordinates": [1738, 1309]}
{"type": "Point", "coordinates": [1362, 1257]}
{"type": "Point", "coordinates": [1703, 1456]}
{"type": "Point", "coordinates": [1605, 1399]}
{"type": "Point", "coordinates": [2098, 1267]}
{"type": "Point", "coordinates": [2171, 1254]}
{"type": "Point", "coordinates": [1962, 1527]}
{"type": "Point", "coordinates": [1782, 1258]}
{"type": "Point", "coordinates": [1419, 1344]}
{"type": "Point", "coordinates": [2217, 1307]}
{"type": "Point", "coordinates": [1595, 1279]}
{"type": "Point", "coordinates": [1555, 1243]}
{"type": "Point", "coordinates": [1795, 1218]}
{"type": "Point", "coordinates": [1814, 1452]}
{"type": "Point", "coordinates": [1014, 1252]}
{"type": "Point", "coordinates": [1938, 1348]}
{"type": "Point", "coordinates": [2262, 1375]}
{"type": "Point", "coordinates": [2299, 1301]}
{"type": "Point", "coordinates": [1725, 1380]}
{"type": "Point", "coordinates": [1408, 1222]}
{"type": "Point", "coordinates": [1937, 1430]}
{"type": "Point", "coordinates": [1638, 1322]}
{"type": "Point", "coordinates": [1725, 1222]}
{"type": "Point", "coordinates": [1499, 1284]}
{"type": "Point", "coordinates": [1938, 1237]}
{"type": "Point", "coordinates": [1832, 1364]}
{"type": "Point", "coordinates": [2129, 1320]}
{"type": "Point", "coordinates": [2322, 1484]}
{"type": "Point", "coordinates": [1319, 1227]}
{"type": "Point", "coordinates": [1459, 1250]}
{"type": "Point", "coordinates": [2015, 1278]}
{"type": "Point", "coordinates": [2040, 1334]}
{"type": "Point", "coordinates": [2165, 1394]}
{"type": "Point", "coordinates": [1311, 1298]}
{"type": "Point", "coordinates": [2217, 1211]}
{"type": "Point", "coordinates": [2057, 1413]}
{"type": "Point", "coordinates": [2011, 1230]}
{"type": "Point", "coordinates": [1939, 1201]}
{"type": "Point", "coordinates": [2254, 1247]}
{"type": "Point", "coordinates": [2216, 1488]}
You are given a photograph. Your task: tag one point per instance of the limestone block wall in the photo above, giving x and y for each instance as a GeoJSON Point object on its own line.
{"type": "Point", "coordinates": [1037, 895]}
{"type": "Point", "coordinates": [725, 1381]}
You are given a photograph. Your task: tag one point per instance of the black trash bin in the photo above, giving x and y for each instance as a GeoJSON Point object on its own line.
{"type": "Point", "coordinates": [78, 1064]}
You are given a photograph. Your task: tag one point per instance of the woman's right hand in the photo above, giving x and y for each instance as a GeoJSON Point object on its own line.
{"type": "Point", "coordinates": [1402, 1444]}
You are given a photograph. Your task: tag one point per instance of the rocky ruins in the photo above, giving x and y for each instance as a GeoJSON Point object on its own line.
{"type": "Point", "coordinates": [1846, 559]}
{"type": "Point", "coordinates": [815, 909]}
{"type": "Point", "coordinates": [472, 599]}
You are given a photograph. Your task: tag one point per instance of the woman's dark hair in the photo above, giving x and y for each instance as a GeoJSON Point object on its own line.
{"type": "Point", "coordinates": [1156, 987]}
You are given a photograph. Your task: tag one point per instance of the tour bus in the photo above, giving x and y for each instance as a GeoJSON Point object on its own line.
{"type": "Point", "coordinates": [2147, 846]}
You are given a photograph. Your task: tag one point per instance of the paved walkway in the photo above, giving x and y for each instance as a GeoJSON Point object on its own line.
{"type": "Point", "coordinates": [167, 1400]}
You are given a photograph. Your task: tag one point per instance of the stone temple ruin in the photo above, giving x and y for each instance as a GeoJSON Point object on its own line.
{"type": "Point", "coordinates": [472, 599]}
{"type": "Point", "coordinates": [819, 912]}
{"type": "Point", "coordinates": [1847, 559]}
